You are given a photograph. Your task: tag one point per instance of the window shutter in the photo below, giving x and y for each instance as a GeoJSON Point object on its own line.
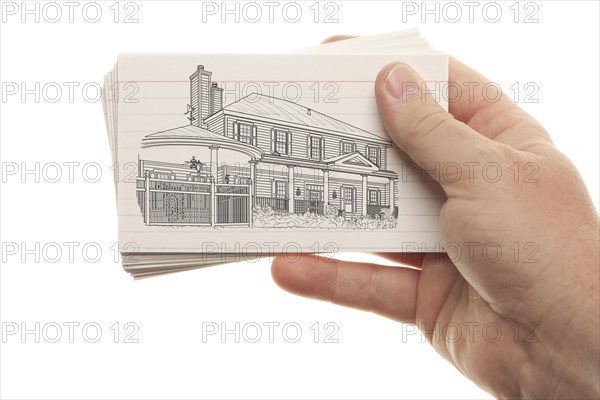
{"type": "Point", "coordinates": [289, 143]}
{"type": "Point", "coordinates": [236, 131]}
{"type": "Point", "coordinates": [273, 189]}
{"type": "Point", "coordinates": [322, 141]}
{"type": "Point", "coordinates": [254, 134]}
{"type": "Point", "coordinates": [308, 147]}
{"type": "Point", "coordinates": [272, 140]}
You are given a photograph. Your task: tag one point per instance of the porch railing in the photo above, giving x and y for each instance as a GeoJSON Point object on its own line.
{"type": "Point", "coordinates": [278, 205]}
{"type": "Point", "coordinates": [303, 206]}
{"type": "Point", "coordinates": [376, 209]}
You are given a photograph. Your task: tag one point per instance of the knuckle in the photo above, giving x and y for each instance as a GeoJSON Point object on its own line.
{"type": "Point", "coordinates": [374, 290]}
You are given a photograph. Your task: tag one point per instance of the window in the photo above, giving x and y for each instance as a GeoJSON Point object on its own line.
{"type": "Point", "coordinates": [280, 189]}
{"type": "Point", "coordinates": [281, 141]}
{"type": "Point", "coordinates": [245, 132]}
{"type": "Point", "coordinates": [373, 154]}
{"type": "Point", "coordinates": [374, 196]}
{"type": "Point", "coordinates": [315, 147]}
{"type": "Point", "coordinates": [347, 147]}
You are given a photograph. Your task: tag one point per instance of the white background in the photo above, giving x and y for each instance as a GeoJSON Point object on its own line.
{"type": "Point", "coordinates": [373, 357]}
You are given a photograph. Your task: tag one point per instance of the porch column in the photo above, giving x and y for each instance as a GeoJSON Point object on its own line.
{"type": "Point", "coordinates": [364, 195]}
{"type": "Point", "coordinates": [141, 169]}
{"type": "Point", "coordinates": [392, 194]}
{"type": "Point", "coordinates": [326, 187]}
{"type": "Point", "coordinates": [252, 199]}
{"type": "Point", "coordinates": [214, 161]}
{"type": "Point", "coordinates": [252, 182]}
{"type": "Point", "coordinates": [290, 189]}
{"type": "Point", "coordinates": [213, 202]}
{"type": "Point", "coordinates": [147, 198]}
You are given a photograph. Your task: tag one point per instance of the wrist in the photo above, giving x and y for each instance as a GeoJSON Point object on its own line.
{"type": "Point", "coordinates": [565, 362]}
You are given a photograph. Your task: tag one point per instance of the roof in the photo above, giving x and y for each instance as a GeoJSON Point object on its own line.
{"type": "Point", "coordinates": [355, 160]}
{"type": "Point", "coordinates": [189, 131]}
{"type": "Point", "coordinates": [286, 111]}
{"type": "Point", "coordinates": [351, 162]}
{"type": "Point", "coordinates": [350, 158]}
{"type": "Point", "coordinates": [191, 135]}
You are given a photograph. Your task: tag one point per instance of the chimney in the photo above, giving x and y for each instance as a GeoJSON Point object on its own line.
{"type": "Point", "coordinates": [200, 95]}
{"type": "Point", "coordinates": [216, 98]}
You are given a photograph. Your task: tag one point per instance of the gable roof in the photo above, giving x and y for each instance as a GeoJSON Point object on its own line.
{"type": "Point", "coordinates": [353, 160]}
{"type": "Point", "coordinates": [285, 111]}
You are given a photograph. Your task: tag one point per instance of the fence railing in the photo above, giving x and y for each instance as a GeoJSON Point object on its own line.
{"type": "Point", "coordinates": [232, 209]}
{"type": "Point", "coordinates": [179, 202]}
{"type": "Point", "coordinates": [179, 186]}
{"type": "Point", "coordinates": [232, 189]}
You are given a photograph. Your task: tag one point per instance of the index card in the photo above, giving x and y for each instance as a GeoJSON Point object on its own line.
{"type": "Point", "coordinates": [230, 152]}
{"type": "Point", "coordinates": [225, 157]}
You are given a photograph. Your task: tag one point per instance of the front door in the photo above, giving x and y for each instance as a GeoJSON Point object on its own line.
{"type": "Point", "coordinates": [314, 198]}
{"type": "Point", "coordinates": [348, 199]}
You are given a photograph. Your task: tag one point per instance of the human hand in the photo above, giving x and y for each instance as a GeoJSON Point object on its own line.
{"type": "Point", "coordinates": [541, 291]}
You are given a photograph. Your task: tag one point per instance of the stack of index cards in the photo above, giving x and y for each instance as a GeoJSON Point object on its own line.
{"type": "Point", "coordinates": [230, 157]}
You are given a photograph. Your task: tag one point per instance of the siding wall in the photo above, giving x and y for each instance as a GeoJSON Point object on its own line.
{"type": "Point", "coordinates": [299, 140]}
{"type": "Point", "coordinates": [216, 124]}
{"type": "Point", "coordinates": [266, 174]}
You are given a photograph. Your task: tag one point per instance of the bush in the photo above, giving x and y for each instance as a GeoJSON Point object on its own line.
{"type": "Point", "coordinates": [265, 217]}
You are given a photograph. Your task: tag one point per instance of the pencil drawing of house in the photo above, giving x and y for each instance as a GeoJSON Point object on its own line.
{"type": "Point", "coordinates": [266, 162]}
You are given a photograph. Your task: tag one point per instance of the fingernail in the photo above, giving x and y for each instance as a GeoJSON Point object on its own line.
{"type": "Point", "coordinates": [402, 83]}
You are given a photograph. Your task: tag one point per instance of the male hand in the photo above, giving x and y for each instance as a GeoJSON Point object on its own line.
{"type": "Point", "coordinates": [542, 290]}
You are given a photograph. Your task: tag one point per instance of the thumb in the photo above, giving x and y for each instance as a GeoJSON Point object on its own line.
{"type": "Point", "coordinates": [422, 128]}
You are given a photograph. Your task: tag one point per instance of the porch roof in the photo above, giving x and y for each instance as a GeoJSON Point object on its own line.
{"type": "Point", "coordinates": [191, 135]}
{"type": "Point", "coordinates": [331, 165]}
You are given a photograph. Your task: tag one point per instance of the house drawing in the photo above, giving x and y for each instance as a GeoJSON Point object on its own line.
{"type": "Point", "coordinates": [266, 162]}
